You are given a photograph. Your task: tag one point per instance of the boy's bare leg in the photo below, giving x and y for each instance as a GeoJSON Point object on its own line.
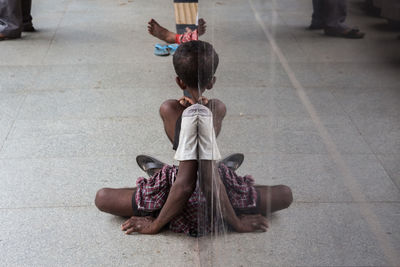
{"type": "Point", "coordinates": [167, 36]}
{"type": "Point", "coordinates": [115, 201]}
{"type": "Point", "coordinates": [160, 32]}
{"type": "Point", "coordinates": [273, 198]}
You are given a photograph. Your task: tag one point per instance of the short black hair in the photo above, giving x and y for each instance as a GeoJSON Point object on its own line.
{"type": "Point", "coordinates": [195, 63]}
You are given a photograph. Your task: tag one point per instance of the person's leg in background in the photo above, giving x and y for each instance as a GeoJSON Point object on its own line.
{"type": "Point", "coordinates": [10, 19]}
{"type": "Point", "coordinates": [335, 12]}
{"type": "Point", "coordinates": [317, 19]}
{"type": "Point", "coordinates": [26, 16]}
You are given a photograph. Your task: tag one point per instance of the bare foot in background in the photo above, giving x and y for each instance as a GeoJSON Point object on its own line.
{"type": "Point", "coordinates": [201, 29]}
{"type": "Point", "coordinates": [160, 32]}
{"type": "Point", "coordinates": [167, 36]}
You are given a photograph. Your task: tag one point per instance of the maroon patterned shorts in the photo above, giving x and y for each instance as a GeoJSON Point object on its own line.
{"type": "Point", "coordinates": [152, 193]}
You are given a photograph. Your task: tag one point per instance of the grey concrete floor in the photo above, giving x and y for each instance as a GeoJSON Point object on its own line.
{"type": "Point", "coordinates": [79, 100]}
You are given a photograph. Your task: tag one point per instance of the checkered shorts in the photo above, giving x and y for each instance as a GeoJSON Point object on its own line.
{"type": "Point", "coordinates": [152, 194]}
{"type": "Point", "coordinates": [186, 37]}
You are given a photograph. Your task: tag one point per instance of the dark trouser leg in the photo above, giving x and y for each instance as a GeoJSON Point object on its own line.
{"type": "Point", "coordinates": [335, 12]}
{"type": "Point", "coordinates": [26, 13]}
{"type": "Point", "coordinates": [318, 12]}
{"type": "Point", "coordinates": [10, 18]}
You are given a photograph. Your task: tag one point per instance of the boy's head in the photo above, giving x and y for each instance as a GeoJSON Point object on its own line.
{"type": "Point", "coordinates": [195, 63]}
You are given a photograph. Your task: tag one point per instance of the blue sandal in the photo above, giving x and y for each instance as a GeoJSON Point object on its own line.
{"type": "Point", "coordinates": [172, 48]}
{"type": "Point", "coordinates": [161, 50]}
{"type": "Point", "coordinates": [165, 50]}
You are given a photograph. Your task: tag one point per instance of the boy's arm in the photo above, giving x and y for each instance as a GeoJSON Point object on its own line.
{"type": "Point", "coordinates": [210, 178]}
{"type": "Point", "coordinates": [179, 194]}
{"type": "Point", "coordinates": [218, 109]}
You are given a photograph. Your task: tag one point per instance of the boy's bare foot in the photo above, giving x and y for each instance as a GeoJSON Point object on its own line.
{"type": "Point", "coordinates": [201, 29]}
{"type": "Point", "coordinates": [160, 32]}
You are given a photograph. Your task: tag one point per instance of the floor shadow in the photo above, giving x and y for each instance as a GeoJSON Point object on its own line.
{"type": "Point", "coordinates": [385, 27]}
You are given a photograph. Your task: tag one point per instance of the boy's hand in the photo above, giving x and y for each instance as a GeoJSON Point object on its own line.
{"type": "Point", "coordinates": [143, 225]}
{"type": "Point", "coordinates": [251, 223]}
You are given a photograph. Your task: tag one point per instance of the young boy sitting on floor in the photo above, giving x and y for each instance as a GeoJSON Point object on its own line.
{"type": "Point", "coordinates": [172, 197]}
